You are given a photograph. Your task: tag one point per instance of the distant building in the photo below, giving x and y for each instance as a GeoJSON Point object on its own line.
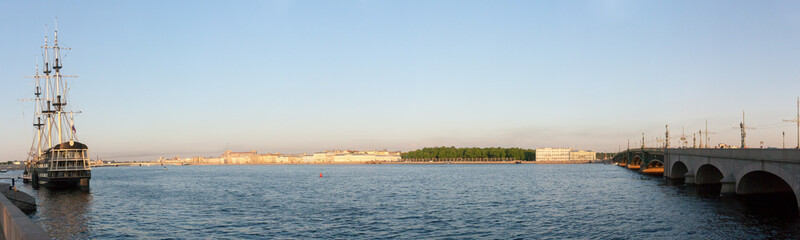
{"type": "Point", "coordinates": [322, 157]}
{"type": "Point", "coordinates": [552, 154]}
{"type": "Point", "coordinates": [252, 157]}
{"type": "Point", "coordinates": [564, 155]}
{"type": "Point", "coordinates": [348, 156]}
{"type": "Point", "coordinates": [239, 157]}
{"type": "Point", "coordinates": [308, 158]}
{"type": "Point", "coordinates": [722, 145]}
{"type": "Point", "coordinates": [215, 161]}
{"type": "Point", "coordinates": [581, 155]}
{"type": "Point", "coordinates": [267, 158]}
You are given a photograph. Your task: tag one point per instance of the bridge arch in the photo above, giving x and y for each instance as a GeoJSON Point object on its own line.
{"type": "Point", "coordinates": [655, 163]}
{"type": "Point", "coordinates": [708, 174]}
{"type": "Point", "coordinates": [757, 182]}
{"type": "Point", "coordinates": [636, 163]}
{"type": "Point", "coordinates": [654, 167]}
{"type": "Point", "coordinates": [677, 170]}
{"type": "Point", "coordinates": [759, 179]}
{"type": "Point", "coordinates": [637, 160]}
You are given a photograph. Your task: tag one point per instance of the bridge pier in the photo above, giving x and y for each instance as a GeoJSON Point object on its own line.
{"type": "Point", "coordinates": [728, 187]}
{"type": "Point", "coordinates": [688, 178]}
{"type": "Point", "coordinates": [741, 172]}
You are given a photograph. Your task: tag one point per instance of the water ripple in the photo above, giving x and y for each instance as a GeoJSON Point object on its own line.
{"type": "Point", "coordinates": [394, 202]}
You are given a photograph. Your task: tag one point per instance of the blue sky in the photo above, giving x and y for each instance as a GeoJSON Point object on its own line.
{"type": "Point", "coordinates": [198, 77]}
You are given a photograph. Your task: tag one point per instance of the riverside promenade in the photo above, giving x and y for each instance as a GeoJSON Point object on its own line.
{"type": "Point", "coordinates": [17, 225]}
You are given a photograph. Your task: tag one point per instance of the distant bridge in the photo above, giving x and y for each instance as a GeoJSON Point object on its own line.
{"type": "Point", "coordinates": [737, 171]}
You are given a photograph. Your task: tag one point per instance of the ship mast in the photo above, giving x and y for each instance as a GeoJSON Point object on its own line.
{"type": "Point", "coordinates": [51, 97]}
{"type": "Point", "coordinates": [49, 113]}
{"type": "Point", "coordinates": [53, 105]}
{"type": "Point", "coordinates": [36, 146]}
{"type": "Point", "coordinates": [58, 104]}
{"type": "Point", "coordinates": [58, 96]}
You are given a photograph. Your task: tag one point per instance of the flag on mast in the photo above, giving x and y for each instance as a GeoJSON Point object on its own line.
{"type": "Point", "coordinates": [72, 124]}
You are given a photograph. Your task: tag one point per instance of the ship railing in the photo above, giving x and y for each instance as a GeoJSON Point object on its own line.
{"type": "Point", "coordinates": [69, 154]}
{"type": "Point", "coordinates": [69, 164]}
{"type": "Point", "coordinates": [60, 158]}
{"type": "Point", "coordinates": [65, 168]}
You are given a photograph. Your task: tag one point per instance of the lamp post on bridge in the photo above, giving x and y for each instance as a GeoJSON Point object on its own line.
{"type": "Point", "coordinates": [700, 134]}
{"type": "Point", "coordinates": [667, 137]}
{"type": "Point", "coordinates": [708, 140]}
{"type": "Point", "coordinates": [684, 143]}
{"type": "Point", "coordinates": [743, 127]}
{"type": "Point", "coordinates": [642, 140]}
{"type": "Point", "coordinates": [796, 120]}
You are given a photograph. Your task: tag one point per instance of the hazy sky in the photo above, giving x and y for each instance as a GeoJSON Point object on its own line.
{"type": "Point", "coordinates": [160, 78]}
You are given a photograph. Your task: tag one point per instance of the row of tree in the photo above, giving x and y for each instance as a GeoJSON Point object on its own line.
{"type": "Point", "coordinates": [605, 155]}
{"type": "Point", "coordinates": [474, 152]}
{"type": "Point", "coordinates": [453, 152]}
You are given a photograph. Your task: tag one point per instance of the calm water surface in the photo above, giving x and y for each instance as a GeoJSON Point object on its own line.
{"type": "Point", "coordinates": [395, 201]}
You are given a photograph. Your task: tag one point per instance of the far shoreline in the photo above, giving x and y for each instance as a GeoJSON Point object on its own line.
{"type": "Point", "coordinates": [357, 163]}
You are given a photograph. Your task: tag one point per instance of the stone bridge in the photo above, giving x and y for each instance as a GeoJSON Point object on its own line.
{"type": "Point", "coordinates": [646, 160]}
{"type": "Point", "coordinates": [736, 171]}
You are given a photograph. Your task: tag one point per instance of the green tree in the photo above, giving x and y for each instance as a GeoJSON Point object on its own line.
{"type": "Point", "coordinates": [472, 152]}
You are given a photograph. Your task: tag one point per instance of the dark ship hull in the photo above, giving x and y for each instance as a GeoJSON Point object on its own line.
{"type": "Point", "coordinates": [65, 165]}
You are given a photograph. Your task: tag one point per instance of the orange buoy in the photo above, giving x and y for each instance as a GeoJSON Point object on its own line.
{"type": "Point", "coordinates": [320, 174]}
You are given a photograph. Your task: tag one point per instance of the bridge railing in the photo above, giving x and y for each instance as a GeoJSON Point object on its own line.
{"type": "Point", "coordinates": [763, 154]}
{"type": "Point", "coordinates": [649, 150]}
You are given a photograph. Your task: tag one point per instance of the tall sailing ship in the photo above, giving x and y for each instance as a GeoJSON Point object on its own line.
{"type": "Point", "coordinates": [56, 157]}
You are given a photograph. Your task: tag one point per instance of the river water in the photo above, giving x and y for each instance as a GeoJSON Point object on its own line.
{"type": "Point", "coordinates": [524, 201]}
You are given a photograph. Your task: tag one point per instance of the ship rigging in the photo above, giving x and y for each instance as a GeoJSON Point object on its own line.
{"type": "Point", "coordinates": [56, 158]}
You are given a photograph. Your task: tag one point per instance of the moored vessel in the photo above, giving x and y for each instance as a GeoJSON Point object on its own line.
{"type": "Point", "coordinates": [56, 158]}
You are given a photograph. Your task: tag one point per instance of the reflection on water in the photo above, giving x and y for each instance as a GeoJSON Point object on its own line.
{"type": "Point", "coordinates": [779, 205]}
{"type": "Point", "coordinates": [705, 190]}
{"type": "Point", "coordinates": [404, 201]}
{"type": "Point", "coordinates": [64, 212]}
{"type": "Point", "coordinates": [773, 205]}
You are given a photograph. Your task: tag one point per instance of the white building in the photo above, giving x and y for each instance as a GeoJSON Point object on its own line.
{"type": "Point", "coordinates": [582, 155]}
{"type": "Point", "coordinates": [215, 161]}
{"type": "Point", "coordinates": [322, 158]}
{"type": "Point", "coordinates": [552, 154]}
{"type": "Point", "coordinates": [336, 156]}
{"type": "Point", "coordinates": [308, 158]}
{"type": "Point", "coordinates": [564, 155]}
{"type": "Point", "coordinates": [347, 156]}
